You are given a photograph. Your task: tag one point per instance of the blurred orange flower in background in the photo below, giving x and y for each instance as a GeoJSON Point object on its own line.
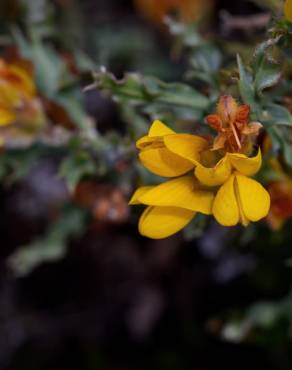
{"type": "Point", "coordinates": [107, 202]}
{"type": "Point", "coordinates": [186, 10]}
{"type": "Point", "coordinates": [281, 203]}
{"type": "Point", "coordinates": [281, 197]}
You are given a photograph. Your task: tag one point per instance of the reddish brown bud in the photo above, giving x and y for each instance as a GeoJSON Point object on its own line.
{"type": "Point", "coordinates": [227, 109]}
{"type": "Point", "coordinates": [242, 114]}
{"type": "Point", "coordinates": [235, 132]}
{"type": "Point", "coordinates": [214, 121]}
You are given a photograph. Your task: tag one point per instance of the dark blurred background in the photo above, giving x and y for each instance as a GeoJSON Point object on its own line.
{"type": "Point", "coordinates": [110, 299]}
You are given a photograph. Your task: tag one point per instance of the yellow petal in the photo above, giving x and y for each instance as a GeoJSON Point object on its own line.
{"type": "Point", "coordinates": [161, 222]}
{"type": "Point", "coordinates": [143, 142]}
{"type": "Point", "coordinates": [288, 10]}
{"type": "Point", "coordinates": [255, 200]}
{"type": "Point", "coordinates": [183, 192]}
{"type": "Point", "coordinates": [216, 175]}
{"type": "Point", "coordinates": [185, 145]}
{"type": "Point", "coordinates": [209, 158]}
{"type": "Point", "coordinates": [9, 95]}
{"type": "Point", "coordinates": [138, 193]}
{"type": "Point", "coordinates": [245, 165]}
{"type": "Point", "coordinates": [225, 208]}
{"type": "Point", "coordinates": [23, 80]}
{"type": "Point", "coordinates": [162, 162]}
{"type": "Point", "coordinates": [155, 134]}
{"type": "Point", "coordinates": [159, 129]}
{"type": "Point", "coordinates": [6, 117]}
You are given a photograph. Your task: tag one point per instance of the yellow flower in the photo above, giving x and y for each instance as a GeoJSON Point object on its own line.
{"type": "Point", "coordinates": [168, 154]}
{"type": "Point", "coordinates": [6, 116]}
{"type": "Point", "coordinates": [222, 170]}
{"type": "Point", "coordinates": [232, 204]}
{"type": "Point", "coordinates": [17, 91]}
{"type": "Point", "coordinates": [220, 184]}
{"type": "Point", "coordinates": [171, 206]}
{"type": "Point", "coordinates": [239, 199]}
{"type": "Point", "coordinates": [288, 10]}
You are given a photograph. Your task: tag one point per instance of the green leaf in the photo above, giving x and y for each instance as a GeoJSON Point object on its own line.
{"type": "Point", "coordinates": [53, 77]}
{"type": "Point", "coordinates": [276, 114]}
{"type": "Point", "coordinates": [49, 67]}
{"type": "Point", "coordinates": [15, 164]}
{"type": "Point", "coordinates": [275, 135]}
{"type": "Point", "coordinates": [288, 152]}
{"type": "Point", "coordinates": [266, 71]}
{"type": "Point", "coordinates": [245, 84]}
{"type": "Point", "coordinates": [262, 51]}
{"type": "Point", "coordinates": [282, 139]}
{"type": "Point", "coordinates": [71, 102]}
{"type": "Point", "coordinates": [206, 58]}
{"type": "Point", "coordinates": [187, 33]}
{"type": "Point", "coordinates": [267, 75]}
{"type": "Point", "coordinates": [75, 167]}
{"type": "Point", "coordinates": [52, 246]}
{"type": "Point", "coordinates": [135, 88]}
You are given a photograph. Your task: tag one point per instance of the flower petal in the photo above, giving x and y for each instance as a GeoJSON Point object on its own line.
{"type": "Point", "coordinates": [242, 114]}
{"type": "Point", "coordinates": [161, 222]}
{"type": "Point", "coordinates": [159, 129]}
{"type": "Point", "coordinates": [9, 95]}
{"type": "Point", "coordinates": [21, 79]}
{"type": "Point", "coordinates": [219, 141]}
{"type": "Point", "coordinates": [245, 165]}
{"type": "Point", "coordinates": [255, 200]}
{"type": "Point", "coordinates": [162, 162]}
{"type": "Point", "coordinates": [227, 108]}
{"type": "Point", "coordinates": [143, 142]}
{"type": "Point", "coordinates": [216, 175]}
{"type": "Point", "coordinates": [6, 117]}
{"type": "Point", "coordinates": [225, 208]}
{"type": "Point", "coordinates": [215, 122]}
{"type": "Point", "coordinates": [186, 146]}
{"type": "Point", "coordinates": [183, 192]}
{"type": "Point", "coordinates": [138, 193]}
{"type": "Point", "coordinates": [156, 131]}
{"type": "Point", "coordinates": [288, 10]}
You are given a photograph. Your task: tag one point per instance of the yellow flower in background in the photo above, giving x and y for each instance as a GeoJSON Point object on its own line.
{"type": "Point", "coordinates": [171, 205]}
{"type": "Point", "coordinates": [168, 154]}
{"type": "Point", "coordinates": [288, 10]}
{"type": "Point", "coordinates": [17, 93]}
{"type": "Point", "coordinates": [281, 202]}
{"type": "Point", "coordinates": [6, 116]}
{"type": "Point", "coordinates": [17, 77]}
